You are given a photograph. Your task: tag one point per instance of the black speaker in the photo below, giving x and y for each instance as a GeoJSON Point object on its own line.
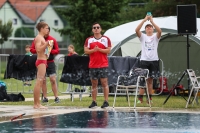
{"type": "Point", "coordinates": [187, 19]}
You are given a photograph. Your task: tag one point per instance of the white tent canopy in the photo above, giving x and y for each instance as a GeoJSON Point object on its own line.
{"type": "Point", "coordinates": [124, 36]}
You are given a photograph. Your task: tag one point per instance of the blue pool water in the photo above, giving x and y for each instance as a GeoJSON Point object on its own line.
{"type": "Point", "coordinates": [108, 122]}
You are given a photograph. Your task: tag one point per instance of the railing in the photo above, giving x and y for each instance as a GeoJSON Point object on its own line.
{"type": "Point", "coordinates": [17, 86]}
{"type": "Point", "coordinates": [14, 85]}
{"type": "Point", "coordinates": [70, 88]}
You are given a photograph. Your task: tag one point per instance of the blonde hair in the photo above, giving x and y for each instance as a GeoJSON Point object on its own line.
{"type": "Point", "coordinates": [27, 46]}
{"type": "Point", "coordinates": [71, 46]}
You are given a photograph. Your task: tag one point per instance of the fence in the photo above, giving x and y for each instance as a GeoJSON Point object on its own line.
{"type": "Point", "coordinates": [14, 85]}
{"type": "Point", "coordinates": [17, 86]}
{"type": "Point", "coordinates": [87, 89]}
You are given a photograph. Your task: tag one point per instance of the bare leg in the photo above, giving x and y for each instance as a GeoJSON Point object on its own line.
{"type": "Point", "coordinates": [44, 88]}
{"type": "Point", "coordinates": [94, 89]}
{"type": "Point", "coordinates": [39, 81]}
{"type": "Point", "coordinates": [150, 85]}
{"type": "Point", "coordinates": [141, 91]}
{"type": "Point", "coordinates": [54, 85]}
{"type": "Point", "coordinates": [104, 83]}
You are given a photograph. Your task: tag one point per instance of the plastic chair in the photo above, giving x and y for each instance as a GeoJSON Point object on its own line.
{"type": "Point", "coordinates": [195, 86]}
{"type": "Point", "coordinates": [132, 87]}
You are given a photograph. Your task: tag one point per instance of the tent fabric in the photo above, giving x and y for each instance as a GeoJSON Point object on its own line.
{"type": "Point", "coordinates": [125, 34]}
{"type": "Point", "coordinates": [172, 48]}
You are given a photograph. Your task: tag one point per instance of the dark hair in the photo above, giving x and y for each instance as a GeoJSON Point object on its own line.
{"type": "Point", "coordinates": [41, 25]}
{"type": "Point", "coordinates": [96, 23]}
{"type": "Point", "coordinates": [149, 25]}
{"type": "Point", "coordinates": [49, 29]}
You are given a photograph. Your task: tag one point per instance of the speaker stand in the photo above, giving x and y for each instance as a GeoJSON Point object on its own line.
{"type": "Point", "coordinates": [184, 73]}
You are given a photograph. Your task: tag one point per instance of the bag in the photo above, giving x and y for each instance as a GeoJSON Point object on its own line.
{"type": "Point", "coordinates": [15, 97]}
{"type": "Point", "coordinates": [132, 78]}
{"type": "Point", "coordinates": [3, 92]}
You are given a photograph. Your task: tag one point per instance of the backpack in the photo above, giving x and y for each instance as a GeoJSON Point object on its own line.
{"type": "Point", "coordinates": [3, 92]}
{"type": "Point", "coordinates": [15, 97]}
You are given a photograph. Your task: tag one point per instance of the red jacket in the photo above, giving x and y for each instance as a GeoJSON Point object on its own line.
{"type": "Point", "coordinates": [54, 51]}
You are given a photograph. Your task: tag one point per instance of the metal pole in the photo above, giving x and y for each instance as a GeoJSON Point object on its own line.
{"type": "Point", "coordinates": [188, 59]}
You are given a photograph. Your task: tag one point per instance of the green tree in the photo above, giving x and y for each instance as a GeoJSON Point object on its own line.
{"type": "Point", "coordinates": [81, 14]}
{"type": "Point", "coordinates": [23, 32]}
{"type": "Point", "coordinates": [5, 31]}
{"type": "Point", "coordinates": [159, 8]}
{"type": "Point", "coordinates": [168, 7]}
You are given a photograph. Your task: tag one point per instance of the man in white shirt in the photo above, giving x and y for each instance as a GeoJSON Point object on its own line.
{"type": "Point", "coordinates": [149, 55]}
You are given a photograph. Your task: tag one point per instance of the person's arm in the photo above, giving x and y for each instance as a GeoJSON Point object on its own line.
{"type": "Point", "coordinates": [87, 50]}
{"type": "Point", "coordinates": [137, 30]}
{"type": "Point", "coordinates": [55, 49]}
{"type": "Point", "coordinates": [107, 50]}
{"type": "Point", "coordinates": [32, 48]}
{"type": "Point", "coordinates": [159, 31]}
{"type": "Point", "coordinates": [90, 51]}
{"type": "Point", "coordinates": [40, 44]}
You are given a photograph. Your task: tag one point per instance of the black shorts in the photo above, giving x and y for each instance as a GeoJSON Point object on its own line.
{"type": "Point", "coordinates": [51, 69]}
{"type": "Point", "coordinates": [152, 66]}
{"type": "Point", "coordinates": [96, 73]}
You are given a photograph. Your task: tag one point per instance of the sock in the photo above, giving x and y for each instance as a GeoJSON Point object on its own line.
{"type": "Point", "coordinates": [140, 97]}
{"type": "Point", "coordinates": [150, 96]}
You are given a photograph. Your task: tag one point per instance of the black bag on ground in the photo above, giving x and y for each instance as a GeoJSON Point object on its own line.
{"type": "Point", "coordinates": [3, 92]}
{"type": "Point", "coordinates": [15, 97]}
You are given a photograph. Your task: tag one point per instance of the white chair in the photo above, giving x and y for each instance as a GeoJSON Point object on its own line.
{"type": "Point", "coordinates": [195, 86]}
{"type": "Point", "coordinates": [133, 87]}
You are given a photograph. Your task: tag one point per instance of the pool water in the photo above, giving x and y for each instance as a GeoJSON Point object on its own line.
{"type": "Point", "coordinates": [108, 122]}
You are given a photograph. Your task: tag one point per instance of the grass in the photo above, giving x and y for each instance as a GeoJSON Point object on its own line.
{"type": "Point", "coordinates": [174, 102]}
{"type": "Point", "coordinates": [16, 86]}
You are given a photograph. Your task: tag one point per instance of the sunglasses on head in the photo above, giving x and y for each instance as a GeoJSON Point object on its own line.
{"type": "Point", "coordinates": [96, 27]}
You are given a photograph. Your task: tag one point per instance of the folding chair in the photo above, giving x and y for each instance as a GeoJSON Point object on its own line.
{"type": "Point", "coordinates": [121, 86]}
{"type": "Point", "coordinates": [195, 86]}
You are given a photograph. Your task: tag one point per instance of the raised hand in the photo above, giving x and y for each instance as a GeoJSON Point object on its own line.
{"type": "Point", "coordinates": [146, 18]}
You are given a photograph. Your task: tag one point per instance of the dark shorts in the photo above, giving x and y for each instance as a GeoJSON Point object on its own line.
{"type": "Point", "coordinates": [152, 66]}
{"type": "Point", "coordinates": [51, 69]}
{"type": "Point", "coordinates": [96, 73]}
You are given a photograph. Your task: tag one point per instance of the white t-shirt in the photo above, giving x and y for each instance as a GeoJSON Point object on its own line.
{"type": "Point", "coordinates": [149, 47]}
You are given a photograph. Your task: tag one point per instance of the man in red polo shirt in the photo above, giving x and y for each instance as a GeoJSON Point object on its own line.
{"type": "Point", "coordinates": [98, 47]}
{"type": "Point", "coordinates": [51, 68]}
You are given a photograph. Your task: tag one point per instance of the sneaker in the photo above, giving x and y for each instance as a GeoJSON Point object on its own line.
{"type": "Point", "coordinates": [150, 101]}
{"type": "Point", "coordinates": [139, 101]}
{"type": "Point", "coordinates": [93, 104]}
{"type": "Point", "coordinates": [27, 84]}
{"type": "Point", "coordinates": [57, 100]}
{"type": "Point", "coordinates": [45, 100]}
{"type": "Point", "coordinates": [105, 104]}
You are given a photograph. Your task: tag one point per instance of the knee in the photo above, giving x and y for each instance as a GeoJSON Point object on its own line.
{"type": "Point", "coordinates": [94, 84]}
{"type": "Point", "coordinates": [44, 81]}
{"type": "Point", "coordinates": [150, 81]}
{"type": "Point", "coordinates": [104, 85]}
{"type": "Point", "coordinates": [53, 81]}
